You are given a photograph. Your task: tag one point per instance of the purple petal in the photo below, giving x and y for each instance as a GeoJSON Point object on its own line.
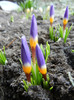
{"type": "Point", "coordinates": [33, 29]}
{"type": "Point", "coordinates": [25, 53]}
{"type": "Point", "coordinates": [51, 10]}
{"type": "Point", "coordinates": [40, 57]}
{"type": "Point", "coordinates": [66, 14]}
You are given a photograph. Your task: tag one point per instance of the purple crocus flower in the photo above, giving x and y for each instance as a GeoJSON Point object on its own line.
{"type": "Point", "coordinates": [66, 14]}
{"type": "Point", "coordinates": [65, 20]}
{"type": "Point", "coordinates": [33, 30]}
{"type": "Point", "coordinates": [33, 36]}
{"type": "Point", "coordinates": [25, 53]}
{"type": "Point", "coordinates": [41, 61]}
{"type": "Point", "coordinates": [40, 57]}
{"type": "Point", "coordinates": [51, 11]}
{"type": "Point", "coordinates": [26, 57]}
{"type": "Point", "coordinates": [51, 14]}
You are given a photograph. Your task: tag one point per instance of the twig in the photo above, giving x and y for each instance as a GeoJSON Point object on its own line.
{"type": "Point", "coordinates": [10, 43]}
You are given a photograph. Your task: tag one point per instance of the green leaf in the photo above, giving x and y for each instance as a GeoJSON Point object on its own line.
{"type": "Point", "coordinates": [46, 84]}
{"type": "Point", "coordinates": [25, 85]}
{"type": "Point", "coordinates": [48, 79]}
{"type": "Point", "coordinates": [22, 5]}
{"type": "Point", "coordinates": [3, 60]}
{"type": "Point", "coordinates": [33, 74]}
{"type": "Point", "coordinates": [72, 51]}
{"type": "Point", "coordinates": [47, 51]}
{"type": "Point", "coordinates": [28, 4]}
{"type": "Point", "coordinates": [51, 88]}
{"type": "Point", "coordinates": [21, 61]}
{"type": "Point", "coordinates": [61, 31]}
{"type": "Point", "coordinates": [36, 75]}
{"type": "Point", "coordinates": [51, 34]}
{"type": "Point", "coordinates": [12, 19]}
{"type": "Point", "coordinates": [67, 33]}
{"type": "Point", "coordinates": [41, 46]}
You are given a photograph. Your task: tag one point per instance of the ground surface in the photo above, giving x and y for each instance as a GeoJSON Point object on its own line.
{"type": "Point", "coordinates": [60, 61]}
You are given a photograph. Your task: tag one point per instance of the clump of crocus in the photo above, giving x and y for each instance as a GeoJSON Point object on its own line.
{"type": "Point", "coordinates": [51, 14]}
{"type": "Point", "coordinates": [25, 57]}
{"type": "Point", "coordinates": [41, 61]}
{"type": "Point", "coordinates": [38, 68]}
{"type": "Point", "coordinates": [65, 20]}
{"type": "Point", "coordinates": [33, 36]}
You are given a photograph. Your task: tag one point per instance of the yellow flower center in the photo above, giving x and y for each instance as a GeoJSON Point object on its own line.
{"type": "Point", "coordinates": [33, 42]}
{"type": "Point", "coordinates": [51, 20]}
{"type": "Point", "coordinates": [27, 69]}
{"type": "Point", "coordinates": [65, 21]}
{"type": "Point", "coordinates": [42, 71]}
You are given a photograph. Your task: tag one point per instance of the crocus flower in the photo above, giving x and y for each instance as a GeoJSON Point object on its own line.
{"type": "Point", "coordinates": [65, 20]}
{"type": "Point", "coordinates": [51, 14]}
{"type": "Point", "coordinates": [40, 9]}
{"type": "Point", "coordinates": [41, 61]}
{"type": "Point", "coordinates": [33, 36]}
{"type": "Point", "coordinates": [48, 8]}
{"type": "Point", "coordinates": [28, 10]}
{"type": "Point", "coordinates": [31, 9]}
{"type": "Point", "coordinates": [25, 57]}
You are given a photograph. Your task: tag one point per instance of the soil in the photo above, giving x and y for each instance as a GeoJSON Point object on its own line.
{"type": "Point", "coordinates": [60, 61]}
